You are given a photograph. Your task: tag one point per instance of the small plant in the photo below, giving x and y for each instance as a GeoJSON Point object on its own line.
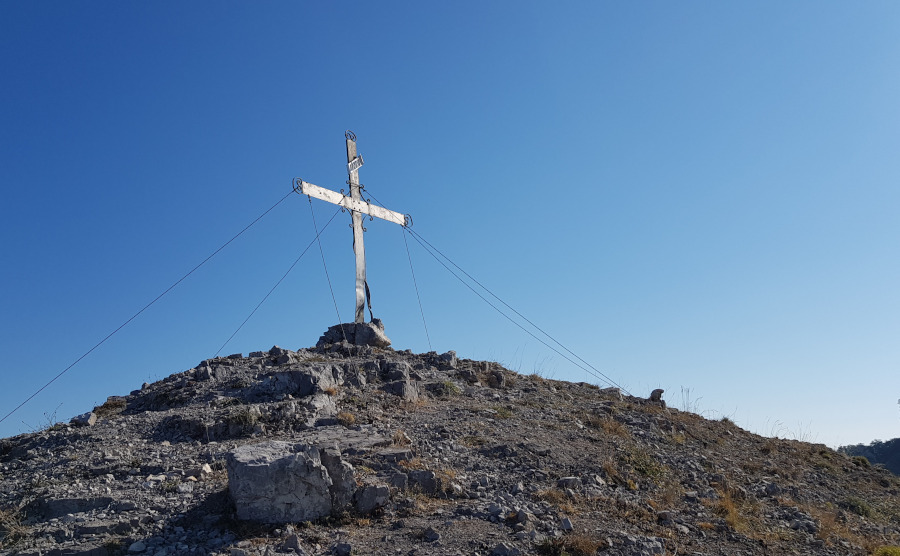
{"type": "Point", "coordinates": [114, 546]}
{"type": "Point", "coordinates": [574, 544]}
{"type": "Point", "coordinates": [727, 509]}
{"type": "Point", "coordinates": [607, 425]}
{"type": "Point", "coordinates": [644, 464]}
{"type": "Point", "coordinates": [169, 486]}
{"type": "Point", "coordinates": [857, 506]}
{"type": "Point", "coordinates": [331, 390]}
{"type": "Point", "coordinates": [11, 529]}
{"type": "Point", "coordinates": [243, 417]}
{"type": "Point", "coordinates": [346, 418]}
{"type": "Point", "coordinates": [239, 384]}
{"type": "Point", "coordinates": [473, 440]}
{"type": "Point", "coordinates": [887, 551]}
{"type": "Point", "coordinates": [111, 407]}
{"type": "Point", "coordinates": [691, 405]}
{"type": "Point", "coordinates": [400, 438]}
{"type": "Point", "coordinates": [415, 464]}
{"type": "Point", "coordinates": [503, 412]}
{"type": "Point", "coordinates": [228, 402]}
{"type": "Point", "coordinates": [727, 421]}
{"type": "Point", "coordinates": [861, 461]}
{"type": "Point", "coordinates": [559, 499]}
{"type": "Point", "coordinates": [450, 389]}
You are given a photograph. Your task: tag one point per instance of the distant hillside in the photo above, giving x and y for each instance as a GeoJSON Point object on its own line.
{"type": "Point", "coordinates": [885, 453]}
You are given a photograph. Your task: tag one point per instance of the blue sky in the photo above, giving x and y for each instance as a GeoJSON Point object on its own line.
{"type": "Point", "coordinates": [693, 195]}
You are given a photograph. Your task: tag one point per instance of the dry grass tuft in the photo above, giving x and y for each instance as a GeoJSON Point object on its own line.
{"type": "Point", "coordinates": [112, 406]}
{"type": "Point", "coordinates": [574, 544]}
{"type": "Point", "coordinates": [559, 499]}
{"type": "Point", "coordinates": [416, 464]}
{"type": "Point", "coordinates": [610, 426]}
{"type": "Point", "coordinates": [726, 508]}
{"type": "Point", "coordinates": [400, 438]}
{"type": "Point", "coordinates": [346, 418]}
{"type": "Point", "coordinates": [11, 528]}
{"type": "Point", "coordinates": [331, 390]}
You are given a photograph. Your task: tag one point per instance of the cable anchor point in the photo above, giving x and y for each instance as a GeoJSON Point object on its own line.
{"type": "Point", "coordinates": [298, 185]}
{"type": "Point", "coordinates": [350, 135]}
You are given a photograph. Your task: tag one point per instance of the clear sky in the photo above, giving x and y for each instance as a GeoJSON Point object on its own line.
{"type": "Point", "coordinates": [695, 196]}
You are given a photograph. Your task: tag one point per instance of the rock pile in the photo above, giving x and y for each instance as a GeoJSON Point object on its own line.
{"type": "Point", "coordinates": [350, 448]}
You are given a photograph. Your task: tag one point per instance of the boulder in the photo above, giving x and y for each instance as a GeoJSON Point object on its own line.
{"type": "Point", "coordinates": [281, 482]}
{"type": "Point", "coordinates": [656, 397]}
{"type": "Point", "coordinates": [405, 389]}
{"type": "Point", "coordinates": [371, 498]}
{"type": "Point", "coordinates": [85, 419]}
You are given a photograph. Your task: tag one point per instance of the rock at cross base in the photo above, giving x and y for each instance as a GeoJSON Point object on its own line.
{"type": "Point", "coordinates": [357, 333]}
{"type": "Point", "coordinates": [280, 482]}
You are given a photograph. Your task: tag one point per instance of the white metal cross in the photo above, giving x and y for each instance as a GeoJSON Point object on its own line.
{"type": "Point", "coordinates": [357, 207]}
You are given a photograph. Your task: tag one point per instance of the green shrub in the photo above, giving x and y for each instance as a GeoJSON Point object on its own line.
{"type": "Point", "coordinates": [857, 506]}
{"type": "Point", "coordinates": [887, 551]}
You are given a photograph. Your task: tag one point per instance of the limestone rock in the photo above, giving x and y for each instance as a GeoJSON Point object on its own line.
{"type": "Point", "coordinates": [88, 419]}
{"type": "Point", "coordinates": [356, 333]}
{"type": "Point", "coordinates": [405, 389]}
{"type": "Point", "coordinates": [278, 482]}
{"type": "Point", "coordinates": [371, 498]}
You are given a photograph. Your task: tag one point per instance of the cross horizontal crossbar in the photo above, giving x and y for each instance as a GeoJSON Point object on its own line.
{"type": "Point", "coordinates": [351, 204]}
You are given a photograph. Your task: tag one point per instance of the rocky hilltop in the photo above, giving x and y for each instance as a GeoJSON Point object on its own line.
{"type": "Point", "coordinates": [355, 449]}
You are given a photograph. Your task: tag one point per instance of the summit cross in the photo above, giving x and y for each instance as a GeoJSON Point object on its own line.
{"type": "Point", "coordinates": [357, 207]}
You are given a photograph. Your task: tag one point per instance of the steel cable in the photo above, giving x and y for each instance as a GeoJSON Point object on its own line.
{"type": "Point", "coordinates": [147, 306]}
{"type": "Point", "coordinates": [297, 260]}
{"type": "Point", "coordinates": [327, 277]}
{"type": "Point", "coordinates": [585, 366]}
{"type": "Point", "coordinates": [416, 285]}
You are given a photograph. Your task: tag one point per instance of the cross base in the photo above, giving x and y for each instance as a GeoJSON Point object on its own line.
{"type": "Point", "coordinates": [356, 333]}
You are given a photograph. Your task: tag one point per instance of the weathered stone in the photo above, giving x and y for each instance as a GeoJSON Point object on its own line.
{"type": "Point", "coordinates": [399, 480]}
{"type": "Point", "coordinates": [569, 482]}
{"type": "Point", "coordinates": [425, 480]}
{"type": "Point", "coordinates": [277, 482]}
{"type": "Point", "coordinates": [656, 397]}
{"type": "Point", "coordinates": [396, 370]}
{"type": "Point", "coordinates": [448, 360]}
{"type": "Point", "coordinates": [356, 333]}
{"type": "Point", "coordinates": [430, 535]}
{"type": "Point", "coordinates": [370, 498]}
{"type": "Point", "coordinates": [403, 388]}
{"type": "Point", "coordinates": [504, 549]}
{"type": "Point", "coordinates": [292, 542]}
{"type": "Point", "coordinates": [342, 478]}
{"type": "Point", "coordinates": [85, 419]}
{"type": "Point", "coordinates": [61, 506]}
{"type": "Point", "coordinates": [371, 334]}
{"type": "Point", "coordinates": [611, 392]}
{"type": "Point", "coordinates": [468, 375]}
{"type": "Point", "coordinates": [496, 379]}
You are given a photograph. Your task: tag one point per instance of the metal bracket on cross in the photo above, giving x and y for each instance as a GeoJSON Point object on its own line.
{"type": "Point", "coordinates": [357, 207]}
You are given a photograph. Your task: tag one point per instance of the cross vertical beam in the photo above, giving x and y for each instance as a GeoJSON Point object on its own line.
{"type": "Point", "coordinates": [359, 248]}
{"type": "Point", "coordinates": [358, 207]}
